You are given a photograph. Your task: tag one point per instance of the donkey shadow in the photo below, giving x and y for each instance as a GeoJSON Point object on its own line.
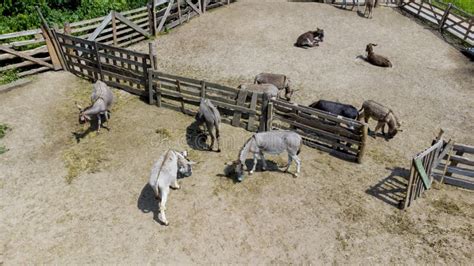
{"type": "Point", "coordinates": [391, 189]}
{"type": "Point", "coordinates": [196, 138]}
{"type": "Point", "coordinates": [147, 202]}
{"type": "Point", "coordinates": [93, 126]}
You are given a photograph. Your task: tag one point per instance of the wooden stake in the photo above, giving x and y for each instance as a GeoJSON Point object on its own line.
{"type": "Point", "coordinates": [365, 130]}
{"type": "Point", "coordinates": [114, 28]}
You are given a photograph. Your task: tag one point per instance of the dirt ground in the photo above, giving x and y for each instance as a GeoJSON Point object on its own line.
{"type": "Point", "coordinates": [334, 212]}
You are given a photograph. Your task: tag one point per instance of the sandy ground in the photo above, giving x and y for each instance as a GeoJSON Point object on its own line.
{"type": "Point", "coordinates": [333, 213]}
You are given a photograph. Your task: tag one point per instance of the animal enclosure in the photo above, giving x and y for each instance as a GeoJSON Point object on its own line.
{"type": "Point", "coordinates": [334, 134]}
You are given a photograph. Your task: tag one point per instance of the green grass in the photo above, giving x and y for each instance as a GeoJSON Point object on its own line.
{"type": "Point", "coordinates": [465, 5]}
{"type": "Point", "coordinates": [8, 76]}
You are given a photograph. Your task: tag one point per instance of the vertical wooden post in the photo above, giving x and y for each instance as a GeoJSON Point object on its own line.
{"type": "Point", "coordinates": [269, 116]}
{"type": "Point", "coordinates": [114, 28]}
{"type": "Point", "coordinates": [54, 42]}
{"type": "Point", "coordinates": [178, 86]}
{"type": "Point", "coordinates": [203, 89]}
{"type": "Point", "coordinates": [200, 6]}
{"type": "Point", "coordinates": [153, 57]}
{"type": "Point", "coordinates": [204, 6]}
{"type": "Point", "coordinates": [149, 6]}
{"type": "Point", "coordinates": [446, 165]}
{"type": "Point", "coordinates": [365, 129]}
{"type": "Point", "coordinates": [179, 11]}
{"type": "Point", "coordinates": [151, 99]}
{"type": "Point", "coordinates": [445, 16]}
{"type": "Point", "coordinates": [158, 94]}
{"type": "Point", "coordinates": [51, 51]}
{"type": "Point", "coordinates": [264, 116]}
{"type": "Point", "coordinates": [99, 64]}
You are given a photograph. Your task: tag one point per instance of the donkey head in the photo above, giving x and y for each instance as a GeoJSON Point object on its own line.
{"type": "Point", "coordinates": [185, 168]}
{"type": "Point", "coordinates": [83, 118]}
{"type": "Point", "coordinates": [288, 91]}
{"type": "Point", "coordinates": [236, 169]}
{"type": "Point", "coordinates": [393, 126]}
{"type": "Point", "coordinates": [319, 33]}
{"type": "Point", "coordinates": [369, 48]}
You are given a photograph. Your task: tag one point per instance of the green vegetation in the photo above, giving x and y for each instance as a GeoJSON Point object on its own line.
{"type": "Point", "coordinates": [18, 15]}
{"type": "Point", "coordinates": [466, 5]}
{"type": "Point", "coordinates": [8, 76]}
{"type": "Point", "coordinates": [3, 131]}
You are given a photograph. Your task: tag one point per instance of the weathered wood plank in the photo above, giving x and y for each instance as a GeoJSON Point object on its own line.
{"type": "Point", "coordinates": [25, 56]}
{"type": "Point", "coordinates": [167, 12]}
{"type": "Point", "coordinates": [101, 27]}
{"type": "Point", "coordinates": [241, 97]}
{"type": "Point", "coordinates": [131, 24]}
{"type": "Point", "coordinates": [253, 106]}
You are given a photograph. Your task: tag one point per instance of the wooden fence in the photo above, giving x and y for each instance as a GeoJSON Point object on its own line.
{"type": "Point", "coordinates": [240, 108]}
{"type": "Point", "coordinates": [343, 137]}
{"type": "Point", "coordinates": [421, 171]}
{"type": "Point", "coordinates": [30, 52]}
{"type": "Point", "coordinates": [115, 66]}
{"type": "Point", "coordinates": [446, 17]}
{"type": "Point", "coordinates": [457, 167]}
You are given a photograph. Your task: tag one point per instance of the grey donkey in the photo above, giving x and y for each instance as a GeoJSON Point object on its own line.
{"type": "Point", "coordinates": [282, 82]}
{"type": "Point", "coordinates": [376, 59]}
{"type": "Point", "coordinates": [369, 5]}
{"type": "Point", "coordinates": [310, 39]}
{"type": "Point", "coordinates": [164, 175]}
{"type": "Point", "coordinates": [272, 142]}
{"type": "Point", "coordinates": [383, 115]}
{"type": "Point", "coordinates": [209, 115]}
{"type": "Point", "coordinates": [102, 99]}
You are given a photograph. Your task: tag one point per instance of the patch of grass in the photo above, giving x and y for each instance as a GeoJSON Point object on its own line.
{"type": "Point", "coordinates": [353, 214]}
{"type": "Point", "coordinates": [400, 224]}
{"type": "Point", "coordinates": [164, 133]}
{"type": "Point", "coordinates": [85, 158]}
{"type": "Point", "coordinates": [465, 5]}
{"type": "Point", "coordinates": [447, 206]}
{"type": "Point", "coordinates": [8, 76]}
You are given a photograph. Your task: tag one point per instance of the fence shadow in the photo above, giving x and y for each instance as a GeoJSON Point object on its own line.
{"type": "Point", "coordinates": [391, 189]}
{"type": "Point", "coordinates": [147, 202]}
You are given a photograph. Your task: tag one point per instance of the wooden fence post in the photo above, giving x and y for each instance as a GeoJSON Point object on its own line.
{"type": "Point", "coordinates": [114, 28]}
{"type": "Point", "coordinates": [55, 45]}
{"type": "Point", "coordinates": [151, 99]}
{"type": "Point", "coordinates": [179, 11]}
{"type": "Point", "coordinates": [151, 17]}
{"type": "Point", "coordinates": [154, 67]}
{"type": "Point", "coordinates": [269, 116]}
{"type": "Point", "coordinates": [365, 129]}
{"type": "Point", "coordinates": [264, 115]}
{"type": "Point", "coordinates": [203, 89]}
{"type": "Point", "coordinates": [100, 76]}
{"type": "Point", "coordinates": [445, 16]}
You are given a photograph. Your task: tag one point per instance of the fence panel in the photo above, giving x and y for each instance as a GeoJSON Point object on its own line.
{"type": "Point", "coordinates": [237, 107]}
{"type": "Point", "coordinates": [457, 167]}
{"type": "Point", "coordinates": [340, 136]}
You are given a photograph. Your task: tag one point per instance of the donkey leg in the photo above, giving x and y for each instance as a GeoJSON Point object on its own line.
{"type": "Point", "coordinates": [255, 158]}
{"type": "Point", "coordinates": [175, 185]}
{"type": "Point", "coordinates": [379, 125]}
{"type": "Point", "coordinates": [99, 121]}
{"type": "Point", "coordinates": [298, 164]}
{"type": "Point", "coordinates": [218, 136]}
{"type": "Point", "coordinates": [164, 197]}
{"type": "Point", "coordinates": [289, 163]}
{"type": "Point", "coordinates": [264, 162]}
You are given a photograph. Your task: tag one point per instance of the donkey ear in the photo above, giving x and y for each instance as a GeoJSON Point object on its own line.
{"type": "Point", "coordinates": [185, 154]}
{"type": "Point", "coordinates": [374, 44]}
{"type": "Point", "coordinates": [192, 162]}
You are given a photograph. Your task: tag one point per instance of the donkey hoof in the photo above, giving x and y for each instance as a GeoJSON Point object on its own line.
{"type": "Point", "coordinates": [295, 175]}
{"type": "Point", "coordinates": [251, 173]}
{"type": "Point", "coordinates": [218, 150]}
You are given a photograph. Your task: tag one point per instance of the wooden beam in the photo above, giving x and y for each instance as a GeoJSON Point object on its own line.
{"type": "Point", "coordinates": [131, 24]}
{"type": "Point", "coordinates": [101, 27]}
{"type": "Point", "coordinates": [51, 36]}
{"type": "Point", "coordinates": [195, 8]}
{"type": "Point", "coordinates": [24, 56]}
{"type": "Point", "coordinates": [114, 28]}
{"type": "Point", "coordinates": [422, 173]}
{"type": "Point", "coordinates": [51, 50]}
{"type": "Point", "coordinates": [167, 13]}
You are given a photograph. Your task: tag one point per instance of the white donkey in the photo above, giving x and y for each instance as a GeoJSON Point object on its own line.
{"type": "Point", "coordinates": [102, 99]}
{"type": "Point", "coordinates": [165, 175]}
{"type": "Point", "coordinates": [272, 142]}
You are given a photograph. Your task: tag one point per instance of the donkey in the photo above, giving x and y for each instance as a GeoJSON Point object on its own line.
{"type": "Point", "coordinates": [369, 5]}
{"type": "Point", "coordinates": [310, 39]}
{"type": "Point", "coordinates": [384, 115]}
{"type": "Point", "coordinates": [279, 80]}
{"type": "Point", "coordinates": [272, 142]}
{"type": "Point", "coordinates": [344, 4]}
{"type": "Point", "coordinates": [164, 175]}
{"type": "Point", "coordinates": [209, 115]}
{"type": "Point", "coordinates": [102, 99]}
{"type": "Point", "coordinates": [376, 59]}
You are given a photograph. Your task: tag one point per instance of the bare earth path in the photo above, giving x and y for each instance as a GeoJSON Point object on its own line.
{"type": "Point", "coordinates": [328, 215]}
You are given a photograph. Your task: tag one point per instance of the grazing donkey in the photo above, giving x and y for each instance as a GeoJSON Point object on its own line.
{"type": "Point", "coordinates": [384, 115]}
{"type": "Point", "coordinates": [369, 5]}
{"type": "Point", "coordinates": [279, 80]}
{"type": "Point", "coordinates": [376, 59]}
{"type": "Point", "coordinates": [102, 99]}
{"type": "Point", "coordinates": [268, 91]}
{"type": "Point", "coordinates": [209, 115]}
{"type": "Point", "coordinates": [272, 142]}
{"type": "Point", "coordinates": [310, 39]}
{"type": "Point", "coordinates": [164, 175]}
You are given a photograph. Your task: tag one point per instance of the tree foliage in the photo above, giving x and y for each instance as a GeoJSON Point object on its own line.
{"type": "Point", "coordinates": [18, 15]}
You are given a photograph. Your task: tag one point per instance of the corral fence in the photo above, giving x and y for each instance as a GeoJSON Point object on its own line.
{"type": "Point", "coordinates": [457, 167]}
{"type": "Point", "coordinates": [445, 17]}
{"type": "Point", "coordinates": [421, 171]}
{"type": "Point", "coordinates": [239, 108]}
{"type": "Point", "coordinates": [342, 137]}
{"type": "Point", "coordinates": [32, 51]}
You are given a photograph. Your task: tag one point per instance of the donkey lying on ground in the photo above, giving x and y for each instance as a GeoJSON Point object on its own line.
{"type": "Point", "coordinates": [384, 115]}
{"type": "Point", "coordinates": [310, 39]}
{"type": "Point", "coordinates": [164, 175]}
{"type": "Point", "coordinates": [102, 99]}
{"type": "Point", "coordinates": [376, 59]}
{"type": "Point", "coordinates": [209, 115]}
{"type": "Point", "coordinates": [335, 108]}
{"type": "Point", "coordinates": [272, 142]}
{"type": "Point", "coordinates": [282, 82]}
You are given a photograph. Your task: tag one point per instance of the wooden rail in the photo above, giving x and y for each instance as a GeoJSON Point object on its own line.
{"type": "Point", "coordinates": [457, 167]}
{"type": "Point", "coordinates": [238, 108]}
{"type": "Point", "coordinates": [31, 51]}
{"type": "Point", "coordinates": [445, 17]}
{"type": "Point", "coordinates": [345, 138]}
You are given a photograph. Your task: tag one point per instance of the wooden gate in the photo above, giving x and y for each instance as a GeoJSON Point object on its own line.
{"type": "Point", "coordinates": [421, 172]}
